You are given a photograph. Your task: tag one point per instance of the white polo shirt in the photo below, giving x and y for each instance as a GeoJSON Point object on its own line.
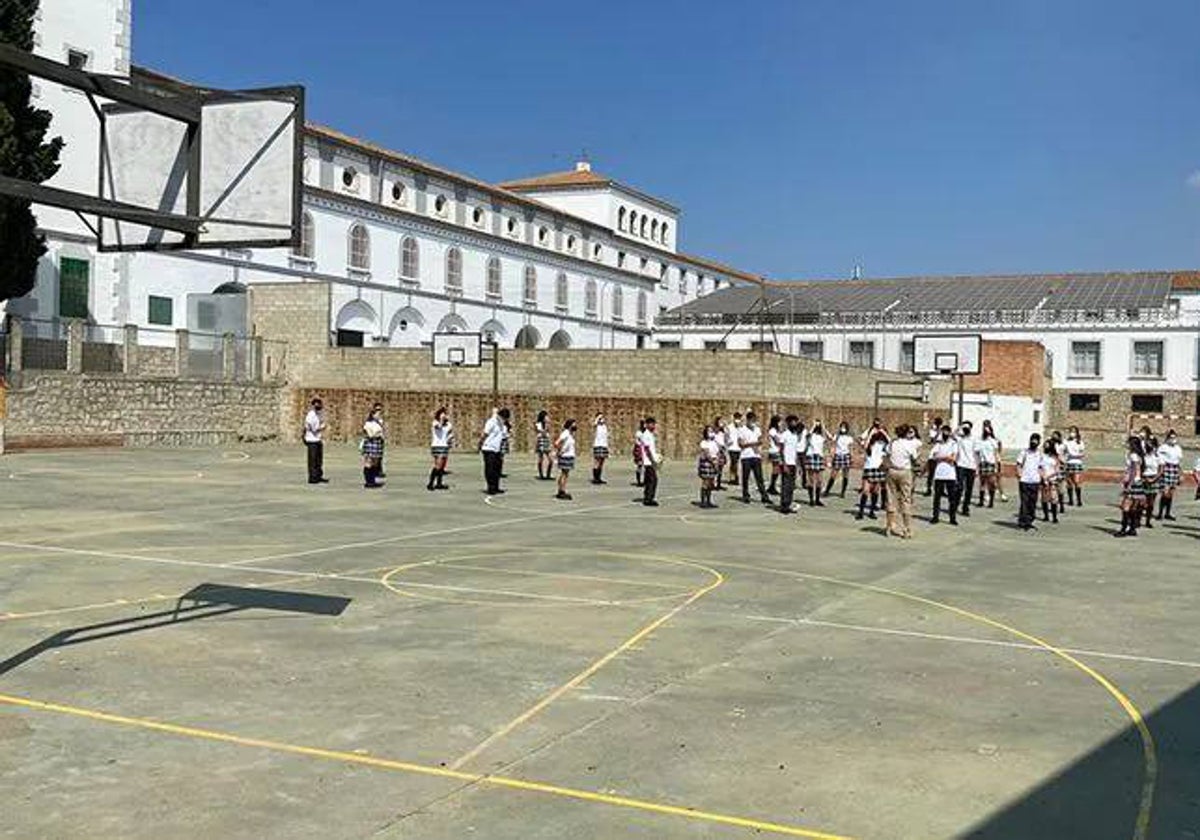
{"type": "Point", "coordinates": [904, 453]}
{"type": "Point", "coordinates": [966, 453]}
{"type": "Point", "coordinates": [566, 444]}
{"type": "Point", "coordinates": [600, 439]}
{"type": "Point", "coordinates": [790, 444]}
{"type": "Point", "coordinates": [493, 434]}
{"type": "Point", "coordinates": [945, 470]}
{"type": "Point", "coordinates": [312, 426]}
{"type": "Point", "coordinates": [1030, 462]}
{"type": "Point", "coordinates": [750, 439]}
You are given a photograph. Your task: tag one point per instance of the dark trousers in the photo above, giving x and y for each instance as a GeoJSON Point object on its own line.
{"type": "Point", "coordinates": [316, 461]}
{"type": "Point", "coordinates": [752, 467]}
{"type": "Point", "coordinates": [966, 488]}
{"type": "Point", "coordinates": [788, 491]}
{"type": "Point", "coordinates": [493, 463]}
{"type": "Point", "coordinates": [1029, 499]}
{"type": "Point", "coordinates": [649, 483]}
{"type": "Point", "coordinates": [948, 488]}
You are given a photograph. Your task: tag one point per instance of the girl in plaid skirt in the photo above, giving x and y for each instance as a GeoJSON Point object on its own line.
{"type": "Point", "coordinates": [599, 448]}
{"type": "Point", "coordinates": [874, 473]}
{"type": "Point", "coordinates": [842, 443]}
{"type": "Point", "coordinates": [1050, 477]}
{"type": "Point", "coordinates": [722, 441]}
{"type": "Point", "coordinates": [814, 460]}
{"type": "Point", "coordinates": [541, 434]}
{"type": "Point", "coordinates": [1132, 489]}
{"type": "Point", "coordinates": [708, 465]}
{"type": "Point", "coordinates": [441, 438]}
{"type": "Point", "coordinates": [988, 450]}
{"type": "Point", "coordinates": [1074, 450]}
{"type": "Point", "coordinates": [1170, 454]}
{"type": "Point", "coordinates": [372, 450]}
{"type": "Point", "coordinates": [638, 468]}
{"type": "Point", "coordinates": [775, 452]}
{"type": "Point", "coordinates": [564, 448]}
{"type": "Point", "coordinates": [1151, 478]}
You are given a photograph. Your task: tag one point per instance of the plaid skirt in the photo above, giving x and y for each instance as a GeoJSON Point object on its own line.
{"type": "Point", "coordinates": [1074, 467]}
{"type": "Point", "coordinates": [775, 457]}
{"type": "Point", "coordinates": [599, 451]}
{"type": "Point", "coordinates": [841, 460]}
{"type": "Point", "coordinates": [566, 463]}
{"type": "Point", "coordinates": [439, 451]}
{"type": "Point", "coordinates": [1170, 475]}
{"type": "Point", "coordinates": [875, 475]}
{"type": "Point", "coordinates": [988, 469]}
{"type": "Point", "coordinates": [1134, 490]}
{"type": "Point", "coordinates": [505, 445]}
{"type": "Point", "coordinates": [706, 468]}
{"type": "Point", "coordinates": [372, 447]}
{"type": "Point", "coordinates": [543, 443]}
{"type": "Point", "coordinates": [815, 462]}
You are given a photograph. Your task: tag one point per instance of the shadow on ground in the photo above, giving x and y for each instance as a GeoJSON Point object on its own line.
{"type": "Point", "coordinates": [1097, 797]}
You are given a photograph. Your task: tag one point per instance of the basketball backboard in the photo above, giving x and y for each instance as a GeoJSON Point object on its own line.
{"type": "Point", "coordinates": [457, 349]}
{"type": "Point", "coordinates": [179, 166]}
{"type": "Point", "coordinates": [947, 354]}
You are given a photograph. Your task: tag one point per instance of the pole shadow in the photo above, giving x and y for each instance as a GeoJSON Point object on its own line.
{"type": "Point", "coordinates": [208, 600]}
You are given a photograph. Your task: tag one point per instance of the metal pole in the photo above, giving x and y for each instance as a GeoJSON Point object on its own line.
{"type": "Point", "coordinates": [495, 372]}
{"type": "Point", "coordinates": [961, 387]}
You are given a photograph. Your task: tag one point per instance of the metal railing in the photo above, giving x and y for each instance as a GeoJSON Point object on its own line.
{"type": "Point", "coordinates": [103, 349]}
{"type": "Point", "coordinates": [43, 344]}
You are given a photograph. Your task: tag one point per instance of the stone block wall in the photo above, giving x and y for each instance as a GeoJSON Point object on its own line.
{"type": "Point", "coordinates": [58, 409]}
{"type": "Point", "coordinates": [1108, 426]}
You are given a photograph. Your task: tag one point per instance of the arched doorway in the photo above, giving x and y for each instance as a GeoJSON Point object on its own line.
{"type": "Point", "coordinates": [452, 323]}
{"type": "Point", "coordinates": [528, 338]}
{"type": "Point", "coordinates": [407, 328]}
{"type": "Point", "coordinates": [561, 340]}
{"type": "Point", "coordinates": [355, 321]}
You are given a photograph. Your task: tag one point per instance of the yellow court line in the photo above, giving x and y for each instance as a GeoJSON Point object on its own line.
{"type": "Point", "coordinates": [505, 782]}
{"type": "Point", "coordinates": [587, 672]}
{"type": "Point", "coordinates": [1149, 753]}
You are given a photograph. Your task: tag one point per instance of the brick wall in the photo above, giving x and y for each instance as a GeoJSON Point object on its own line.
{"type": "Point", "coordinates": [1016, 368]}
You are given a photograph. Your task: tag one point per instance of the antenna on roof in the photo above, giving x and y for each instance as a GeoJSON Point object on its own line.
{"type": "Point", "coordinates": [584, 164]}
{"type": "Point", "coordinates": [857, 275]}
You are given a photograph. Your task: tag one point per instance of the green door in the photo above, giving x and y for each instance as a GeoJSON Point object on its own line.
{"type": "Point", "coordinates": [73, 288]}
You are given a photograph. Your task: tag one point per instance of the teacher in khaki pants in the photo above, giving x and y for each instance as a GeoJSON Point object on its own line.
{"type": "Point", "coordinates": [904, 454]}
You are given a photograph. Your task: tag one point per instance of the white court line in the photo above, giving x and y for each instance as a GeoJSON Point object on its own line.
{"type": "Point", "coordinates": [916, 634]}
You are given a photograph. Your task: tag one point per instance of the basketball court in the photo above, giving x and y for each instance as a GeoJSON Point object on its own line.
{"type": "Point", "coordinates": [434, 665]}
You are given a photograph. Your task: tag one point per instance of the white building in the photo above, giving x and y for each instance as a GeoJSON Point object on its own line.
{"type": "Point", "coordinates": [570, 259]}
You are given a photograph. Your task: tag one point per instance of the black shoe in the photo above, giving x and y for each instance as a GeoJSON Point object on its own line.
{"type": "Point", "coordinates": [818, 503]}
{"type": "Point", "coordinates": [766, 500]}
{"type": "Point", "coordinates": [859, 516]}
{"type": "Point", "coordinates": [965, 513]}
{"type": "Point", "coordinates": [650, 503]}
{"type": "Point", "coordinates": [566, 497]}
{"type": "Point", "coordinates": [430, 487]}
{"type": "Point", "coordinates": [441, 487]}
{"type": "Point", "coordinates": [745, 500]}
{"type": "Point", "coordinates": [953, 521]}
{"type": "Point", "coordinates": [1169, 517]}
{"type": "Point", "coordinates": [596, 481]}
{"type": "Point", "coordinates": [934, 521]}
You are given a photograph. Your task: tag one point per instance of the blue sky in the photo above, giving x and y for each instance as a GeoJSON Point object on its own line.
{"type": "Point", "coordinates": [800, 138]}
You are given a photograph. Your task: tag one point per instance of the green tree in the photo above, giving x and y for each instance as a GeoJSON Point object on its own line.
{"type": "Point", "coordinates": [24, 154]}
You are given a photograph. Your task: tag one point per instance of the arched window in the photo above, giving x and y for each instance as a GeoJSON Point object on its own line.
{"type": "Point", "coordinates": [618, 303]}
{"type": "Point", "coordinates": [662, 233]}
{"type": "Point", "coordinates": [495, 280]}
{"type": "Point", "coordinates": [410, 257]}
{"type": "Point", "coordinates": [589, 298]}
{"type": "Point", "coordinates": [641, 307]}
{"type": "Point", "coordinates": [654, 230]}
{"type": "Point", "coordinates": [561, 292]}
{"type": "Point", "coordinates": [642, 228]}
{"type": "Point", "coordinates": [306, 248]}
{"type": "Point", "coordinates": [633, 220]}
{"type": "Point", "coordinates": [621, 219]}
{"type": "Point", "coordinates": [360, 247]}
{"type": "Point", "coordinates": [454, 283]}
{"type": "Point", "coordinates": [529, 288]}
{"type": "Point", "coordinates": [683, 283]}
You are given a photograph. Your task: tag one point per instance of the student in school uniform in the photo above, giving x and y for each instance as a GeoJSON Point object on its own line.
{"type": "Point", "coordinates": [733, 440]}
{"type": "Point", "coordinates": [1060, 480]}
{"type": "Point", "coordinates": [967, 466]}
{"type": "Point", "coordinates": [638, 459]}
{"type": "Point", "coordinates": [802, 434]}
{"type": "Point", "coordinates": [372, 450]}
{"type": "Point", "coordinates": [789, 453]}
{"type": "Point", "coordinates": [377, 411]}
{"type": "Point", "coordinates": [874, 473]}
{"type": "Point", "coordinates": [987, 449]}
{"type": "Point", "coordinates": [1133, 488]}
{"type": "Point", "coordinates": [1031, 474]}
{"type": "Point", "coordinates": [814, 459]}
{"type": "Point", "coordinates": [314, 441]}
{"type": "Point", "coordinates": [505, 442]}
{"type": "Point", "coordinates": [718, 429]}
{"type": "Point", "coordinates": [774, 454]}
{"type": "Point", "coordinates": [903, 460]}
{"type": "Point", "coordinates": [441, 438]}
{"type": "Point", "coordinates": [935, 437]}
{"type": "Point", "coordinates": [1050, 473]}
{"type": "Point", "coordinates": [1170, 456]}
{"type": "Point", "coordinates": [987, 427]}
{"type": "Point", "coordinates": [1074, 451]}
{"type": "Point", "coordinates": [542, 445]}
{"type": "Point", "coordinates": [945, 475]}
{"type": "Point", "coordinates": [564, 451]}
{"type": "Point", "coordinates": [708, 465]}
{"type": "Point", "coordinates": [1151, 479]}
{"type": "Point", "coordinates": [751, 459]}
{"type": "Point", "coordinates": [843, 442]}
{"type": "Point", "coordinates": [491, 446]}
{"type": "Point", "coordinates": [651, 461]}
{"type": "Point", "coordinates": [599, 448]}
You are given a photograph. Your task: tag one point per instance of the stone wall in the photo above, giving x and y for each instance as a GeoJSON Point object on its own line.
{"type": "Point", "coordinates": [1108, 426]}
{"type": "Point", "coordinates": [58, 409]}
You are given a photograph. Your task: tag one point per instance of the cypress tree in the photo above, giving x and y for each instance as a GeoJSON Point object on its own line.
{"type": "Point", "coordinates": [24, 153]}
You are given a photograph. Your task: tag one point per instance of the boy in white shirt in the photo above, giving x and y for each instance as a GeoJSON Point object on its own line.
{"type": "Point", "coordinates": [751, 442]}
{"type": "Point", "coordinates": [789, 445]}
{"type": "Point", "coordinates": [733, 442]}
{"type": "Point", "coordinates": [944, 456]}
{"type": "Point", "coordinates": [650, 462]}
{"type": "Point", "coordinates": [314, 441]}
{"type": "Point", "coordinates": [491, 445]}
{"type": "Point", "coordinates": [966, 465]}
{"type": "Point", "coordinates": [1031, 474]}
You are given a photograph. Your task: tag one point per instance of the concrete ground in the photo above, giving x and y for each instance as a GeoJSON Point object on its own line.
{"type": "Point", "coordinates": [404, 664]}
